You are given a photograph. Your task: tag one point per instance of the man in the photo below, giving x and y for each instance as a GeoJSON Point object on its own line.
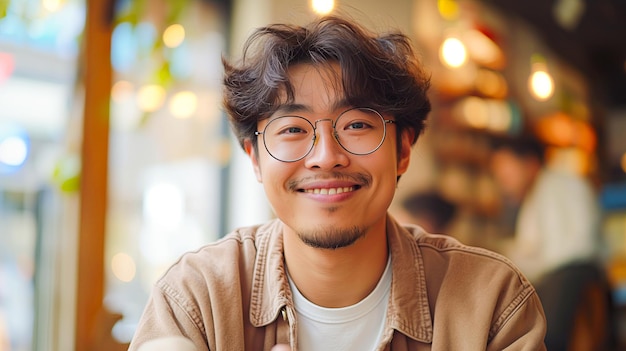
{"type": "Point", "coordinates": [328, 114]}
{"type": "Point", "coordinates": [558, 217]}
{"type": "Point", "coordinates": [556, 243]}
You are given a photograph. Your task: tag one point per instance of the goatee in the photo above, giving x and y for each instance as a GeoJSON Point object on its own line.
{"type": "Point", "coordinates": [331, 238]}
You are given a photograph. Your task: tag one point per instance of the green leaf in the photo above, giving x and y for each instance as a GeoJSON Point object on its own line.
{"type": "Point", "coordinates": [4, 8]}
{"type": "Point", "coordinates": [164, 75]}
{"type": "Point", "coordinates": [66, 173]}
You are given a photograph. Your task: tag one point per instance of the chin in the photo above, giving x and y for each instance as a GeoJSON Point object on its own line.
{"type": "Point", "coordinates": [331, 237]}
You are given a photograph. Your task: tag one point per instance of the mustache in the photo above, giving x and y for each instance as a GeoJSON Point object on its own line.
{"type": "Point", "coordinates": [361, 179]}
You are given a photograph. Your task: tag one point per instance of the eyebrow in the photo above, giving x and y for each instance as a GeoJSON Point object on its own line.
{"type": "Point", "coordinates": [293, 107]}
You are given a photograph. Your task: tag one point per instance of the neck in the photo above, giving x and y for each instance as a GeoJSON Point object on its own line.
{"type": "Point", "coordinates": [340, 277]}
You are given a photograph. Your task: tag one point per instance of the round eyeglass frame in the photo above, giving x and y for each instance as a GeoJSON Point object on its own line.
{"type": "Point", "coordinates": [334, 123]}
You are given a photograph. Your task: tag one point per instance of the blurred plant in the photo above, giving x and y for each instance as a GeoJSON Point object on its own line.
{"type": "Point", "coordinates": [134, 13]}
{"type": "Point", "coordinates": [169, 12]}
{"type": "Point", "coordinates": [156, 56]}
{"type": "Point", "coordinates": [4, 7]}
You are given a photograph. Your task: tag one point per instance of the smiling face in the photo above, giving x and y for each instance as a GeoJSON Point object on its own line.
{"type": "Point", "coordinates": [330, 198]}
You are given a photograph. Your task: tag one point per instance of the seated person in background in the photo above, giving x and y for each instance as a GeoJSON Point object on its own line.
{"type": "Point", "coordinates": [428, 209]}
{"type": "Point", "coordinates": [556, 243]}
{"type": "Point", "coordinates": [558, 217]}
{"type": "Point", "coordinates": [328, 114]}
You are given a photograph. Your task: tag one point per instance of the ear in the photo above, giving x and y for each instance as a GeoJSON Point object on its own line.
{"type": "Point", "coordinates": [404, 156]}
{"type": "Point", "coordinates": [254, 158]}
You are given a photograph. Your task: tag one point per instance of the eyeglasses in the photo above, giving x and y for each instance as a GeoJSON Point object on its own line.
{"type": "Point", "coordinates": [359, 131]}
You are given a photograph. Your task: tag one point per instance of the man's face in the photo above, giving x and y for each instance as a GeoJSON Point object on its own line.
{"type": "Point", "coordinates": [329, 198]}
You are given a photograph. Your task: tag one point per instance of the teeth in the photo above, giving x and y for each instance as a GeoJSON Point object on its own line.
{"type": "Point", "coordinates": [330, 191]}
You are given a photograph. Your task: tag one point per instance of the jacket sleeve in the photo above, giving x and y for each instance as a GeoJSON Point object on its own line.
{"type": "Point", "coordinates": [165, 316]}
{"type": "Point", "coordinates": [524, 328]}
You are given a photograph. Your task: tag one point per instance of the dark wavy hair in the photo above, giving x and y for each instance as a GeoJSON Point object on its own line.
{"type": "Point", "coordinates": [379, 71]}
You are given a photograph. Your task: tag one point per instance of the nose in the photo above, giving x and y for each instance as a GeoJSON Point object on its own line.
{"type": "Point", "coordinates": [326, 153]}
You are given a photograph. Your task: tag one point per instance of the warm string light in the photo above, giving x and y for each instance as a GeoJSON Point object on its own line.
{"type": "Point", "coordinates": [453, 52]}
{"type": "Point", "coordinates": [542, 85]}
{"type": "Point", "coordinates": [174, 35]}
{"type": "Point", "coordinates": [322, 7]}
{"type": "Point", "coordinates": [540, 82]}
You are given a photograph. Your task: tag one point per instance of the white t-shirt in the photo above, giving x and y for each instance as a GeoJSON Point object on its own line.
{"type": "Point", "coordinates": [358, 327]}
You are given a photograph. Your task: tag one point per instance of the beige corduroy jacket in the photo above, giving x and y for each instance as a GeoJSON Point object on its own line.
{"type": "Point", "coordinates": [234, 295]}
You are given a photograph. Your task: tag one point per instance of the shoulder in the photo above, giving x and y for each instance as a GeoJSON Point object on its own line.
{"type": "Point", "coordinates": [446, 245]}
{"type": "Point", "coordinates": [445, 257]}
{"type": "Point", "coordinates": [216, 264]}
{"type": "Point", "coordinates": [475, 285]}
{"type": "Point", "coordinates": [452, 249]}
{"type": "Point", "coordinates": [227, 247]}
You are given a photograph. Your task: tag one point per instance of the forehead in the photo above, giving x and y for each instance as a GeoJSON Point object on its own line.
{"type": "Point", "coordinates": [315, 87]}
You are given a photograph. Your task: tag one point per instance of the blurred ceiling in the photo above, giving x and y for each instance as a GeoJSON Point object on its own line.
{"type": "Point", "coordinates": [589, 34]}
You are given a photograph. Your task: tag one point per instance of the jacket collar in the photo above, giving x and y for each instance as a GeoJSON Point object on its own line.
{"type": "Point", "coordinates": [408, 311]}
{"type": "Point", "coordinates": [270, 287]}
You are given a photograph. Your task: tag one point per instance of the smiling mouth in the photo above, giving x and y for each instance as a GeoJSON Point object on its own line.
{"type": "Point", "coordinates": [330, 191]}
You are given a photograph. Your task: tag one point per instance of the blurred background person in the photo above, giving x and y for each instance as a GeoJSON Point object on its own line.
{"type": "Point", "coordinates": [557, 218]}
{"type": "Point", "coordinates": [428, 209]}
{"type": "Point", "coordinates": [556, 242]}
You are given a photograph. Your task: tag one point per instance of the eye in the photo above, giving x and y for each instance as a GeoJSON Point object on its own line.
{"type": "Point", "coordinates": [358, 125]}
{"type": "Point", "coordinates": [292, 130]}
{"type": "Point", "coordinates": [359, 120]}
{"type": "Point", "coordinates": [289, 127]}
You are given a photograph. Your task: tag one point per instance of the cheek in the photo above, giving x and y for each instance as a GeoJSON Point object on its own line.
{"type": "Point", "coordinates": [275, 175]}
{"type": "Point", "coordinates": [385, 166]}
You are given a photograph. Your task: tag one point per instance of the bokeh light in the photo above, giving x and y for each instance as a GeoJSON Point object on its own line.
{"type": "Point", "coordinates": [14, 147]}
{"type": "Point", "coordinates": [322, 7]}
{"type": "Point", "coordinates": [491, 83]}
{"type": "Point", "coordinates": [541, 85]}
{"type": "Point", "coordinates": [121, 91]}
{"type": "Point", "coordinates": [540, 82]}
{"type": "Point", "coordinates": [7, 65]}
{"type": "Point", "coordinates": [183, 104]}
{"type": "Point", "coordinates": [123, 267]}
{"type": "Point", "coordinates": [13, 151]}
{"type": "Point", "coordinates": [174, 35]}
{"type": "Point", "coordinates": [448, 9]}
{"type": "Point", "coordinates": [490, 114]}
{"type": "Point", "coordinates": [483, 49]}
{"type": "Point", "coordinates": [453, 53]}
{"type": "Point", "coordinates": [51, 5]}
{"type": "Point", "coordinates": [123, 47]}
{"type": "Point", "coordinates": [151, 97]}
